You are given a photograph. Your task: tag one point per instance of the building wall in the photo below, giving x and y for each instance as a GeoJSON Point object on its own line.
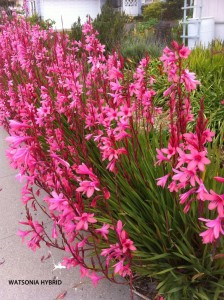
{"type": "Point", "coordinates": [66, 12]}
{"type": "Point", "coordinates": [210, 8]}
{"type": "Point", "coordinates": [132, 7]}
{"type": "Point", "coordinates": [207, 23]}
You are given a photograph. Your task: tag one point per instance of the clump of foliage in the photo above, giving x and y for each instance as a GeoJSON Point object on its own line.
{"type": "Point", "coordinates": [154, 10]}
{"type": "Point", "coordinates": [208, 63]}
{"type": "Point", "coordinates": [146, 25]}
{"type": "Point", "coordinates": [76, 30]}
{"type": "Point", "coordinates": [169, 10]}
{"type": "Point", "coordinates": [44, 24]}
{"type": "Point", "coordinates": [136, 46]}
{"type": "Point", "coordinates": [111, 26]}
{"type": "Point", "coordinates": [129, 188]}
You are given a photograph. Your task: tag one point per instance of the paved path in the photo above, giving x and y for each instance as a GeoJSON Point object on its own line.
{"type": "Point", "coordinates": [17, 262]}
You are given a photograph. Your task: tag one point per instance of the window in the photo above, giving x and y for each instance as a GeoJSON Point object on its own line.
{"type": "Point", "coordinates": [33, 7]}
{"type": "Point", "coordinates": [130, 3]}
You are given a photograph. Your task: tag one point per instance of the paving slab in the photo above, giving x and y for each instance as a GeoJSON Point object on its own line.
{"type": "Point", "coordinates": [17, 262]}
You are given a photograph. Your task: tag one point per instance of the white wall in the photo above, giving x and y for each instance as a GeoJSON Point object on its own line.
{"type": "Point", "coordinates": [219, 30]}
{"type": "Point", "coordinates": [132, 7]}
{"type": "Point", "coordinates": [210, 8]}
{"type": "Point", "coordinates": [68, 11]}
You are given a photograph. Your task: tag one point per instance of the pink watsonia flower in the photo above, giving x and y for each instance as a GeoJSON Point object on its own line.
{"type": "Point", "coordinates": [54, 231]}
{"type": "Point", "coordinates": [202, 192]}
{"type": "Point", "coordinates": [197, 160]}
{"type": "Point", "coordinates": [173, 187]}
{"type": "Point", "coordinates": [184, 52]}
{"type": "Point", "coordinates": [118, 267]}
{"type": "Point", "coordinates": [16, 125]}
{"type": "Point", "coordinates": [170, 151]}
{"type": "Point", "coordinates": [83, 169]}
{"type": "Point", "coordinates": [207, 135]}
{"type": "Point", "coordinates": [121, 269]}
{"type": "Point", "coordinates": [88, 187]}
{"type": "Point", "coordinates": [95, 278]}
{"type": "Point", "coordinates": [215, 228]}
{"type": "Point", "coordinates": [188, 78]}
{"type": "Point", "coordinates": [58, 202]}
{"type": "Point", "coordinates": [116, 86]}
{"type": "Point", "coordinates": [84, 220]}
{"type": "Point", "coordinates": [185, 175]}
{"type": "Point", "coordinates": [219, 179]}
{"type": "Point", "coordinates": [17, 140]}
{"type": "Point", "coordinates": [104, 230]}
{"type": "Point", "coordinates": [160, 156]}
{"type": "Point", "coordinates": [69, 262]}
{"type": "Point", "coordinates": [192, 139]}
{"type": "Point", "coordinates": [185, 196]}
{"type": "Point", "coordinates": [119, 227]}
{"type": "Point", "coordinates": [23, 233]}
{"type": "Point", "coordinates": [84, 271]}
{"type": "Point", "coordinates": [162, 180]}
{"type": "Point", "coordinates": [216, 201]}
{"type": "Point", "coordinates": [106, 193]}
{"type": "Point", "coordinates": [128, 245]}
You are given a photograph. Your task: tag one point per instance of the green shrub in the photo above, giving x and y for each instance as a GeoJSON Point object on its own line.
{"type": "Point", "coordinates": [170, 10]}
{"type": "Point", "coordinates": [173, 10]}
{"type": "Point", "coordinates": [44, 24]}
{"type": "Point", "coordinates": [147, 25]}
{"type": "Point", "coordinates": [209, 66]}
{"type": "Point", "coordinates": [135, 47]}
{"type": "Point", "coordinates": [76, 30]}
{"type": "Point", "coordinates": [154, 10]}
{"type": "Point", "coordinates": [111, 26]}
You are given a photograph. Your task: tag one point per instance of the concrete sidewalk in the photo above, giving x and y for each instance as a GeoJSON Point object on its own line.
{"type": "Point", "coordinates": [17, 262]}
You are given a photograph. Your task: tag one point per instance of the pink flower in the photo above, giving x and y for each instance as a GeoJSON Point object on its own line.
{"type": "Point", "coordinates": [106, 193]}
{"type": "Point", "coordinates": [214, 230]}
{"type": "Point", "coordinates": [54, 231]}
{"type": "Point", "coordinates": [84, 220]}
{"type": "Point", "coordinates": [83, 169]}
{"type": "Point", "coordinates": [173, 187]}
{"type": "Point", "coordinates": [160, 156]}
{"type": "Point", "coordinates": [170, 151]}
{"type": "Point", "coordinates": [127, 244]}
{"type": "Point", "coordinates": [121, 269]}
{"type": "Point", "coordinates": [88, 187]}
{"type": "Point", "coordinates": [184, 197]}
{"type": "Point", "coordinates": [162, 180]}
{"type": "Point", "coordinates": [219, 179]}
{"type": "Point", "coordinates": [185, 175]}
{"type": "Point", "coordinates": [188, 78]}
{"type": "Point", "coordinates": [184, 52]}
{"type": "Point", "coordinates": [103, 230]}
{"type": "Point", "coordinates": [58, 202]}
{"type": "Point", "coordinates": [216, 201]}
{"type": "Point", "coordinates": [83, 271]}
{"type": "Point", "coordinates": [15, 125]}
{"type": "Point", "coordinates": [118, 267]}
{"type": "Point", "coordinates": [202, 192]}
{"type": "Point", "coordinates": [95, 278]}
{"type": "Point", "coordinates": [197, 159]}
{"type": "Point", "coordinates": [69, 262]}
{"type": "Point", "coordinates": [17, 140]}
{"type": "Point", "coordinates": [23, 234]}
{"type": "Point", "coordinates": [208, 135]}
